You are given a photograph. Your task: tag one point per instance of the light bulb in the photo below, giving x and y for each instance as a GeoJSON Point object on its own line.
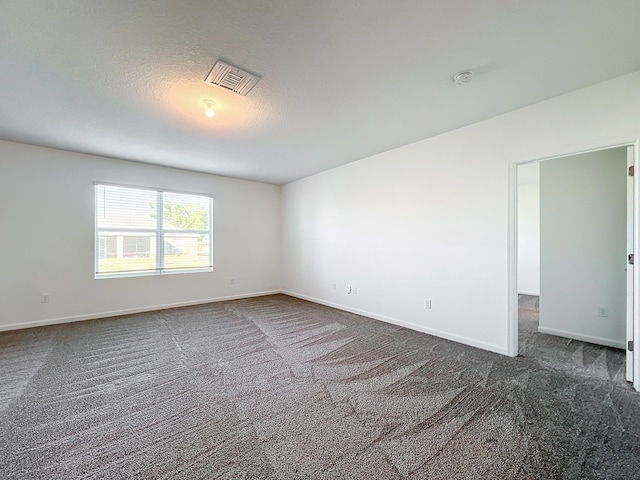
{"type": "Point", "coordinates": [209, 111]}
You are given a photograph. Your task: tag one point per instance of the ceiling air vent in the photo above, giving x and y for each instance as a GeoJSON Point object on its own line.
{"type": "Point", "coordinates": [232, 78]}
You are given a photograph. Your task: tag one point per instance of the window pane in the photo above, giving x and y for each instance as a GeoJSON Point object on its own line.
{"type": "Point", "coordinates": [108, 247]}
{"type": "Point", "coordinates": [126, 208]}
{"type": "Point", "coordinates": [186, 251]}
{"type": "Point", "coordinates": [130, 253]}
{"type": "Point", "coordinates": [131, 223]}
{"type": "Point", "coordinates": [185, 212]}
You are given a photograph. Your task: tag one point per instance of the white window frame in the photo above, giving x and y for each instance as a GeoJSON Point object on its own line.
{"type": "Point", "coordinates": [159, 233]}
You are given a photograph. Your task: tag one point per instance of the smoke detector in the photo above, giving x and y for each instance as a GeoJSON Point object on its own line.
{"type": "Point", "coordinates": [462, 77]}
{"type": "Point", "coordinates": [232, 78]}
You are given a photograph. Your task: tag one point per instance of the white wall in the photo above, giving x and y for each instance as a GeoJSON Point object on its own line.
{"type": "Point", "coordinates": [529, 229]}
{"type": "Point", "coordinates": [583, 235]}
{"type": "Point", "coordinates": [47, 238]}
{"type": "Point", "coordinates": [430, 220]}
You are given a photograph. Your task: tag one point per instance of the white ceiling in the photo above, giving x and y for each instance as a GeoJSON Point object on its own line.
{"type": "Point", "coordinates": [342, 79]}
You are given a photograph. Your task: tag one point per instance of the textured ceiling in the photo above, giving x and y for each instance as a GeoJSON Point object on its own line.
{"type": "Point", "coordinates": [341, 79]}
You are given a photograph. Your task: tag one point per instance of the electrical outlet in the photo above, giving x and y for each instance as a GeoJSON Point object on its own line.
{"type": "Point", "coordinates": [427, 304]}
{"type": "Point", "coordinates": [603, 311]}
{"type": "Point", "coordinates": [46, 298]}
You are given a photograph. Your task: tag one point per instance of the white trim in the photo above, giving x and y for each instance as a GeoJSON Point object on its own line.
{"type": "Point", "coordinates": [128, 311]}
{"type": "Point", "coordinates": [630, 268]}
{"type": "Point", "coordinates": [151, 273]}
{"type": "Point", "coordinates": [383, 318]}
{"type": "Point", "coordinates": [636, 270]}
{"type": "Point", "coordinates": [583, 338]}
{"type": "Point", "coordinates": [412, 326]}
{"type": "Point", "coordinates": [524, 292]}
{"type": "Point", "coordinates": [580, 152]}
{"type": "Point", "coordinates": [512, 262]}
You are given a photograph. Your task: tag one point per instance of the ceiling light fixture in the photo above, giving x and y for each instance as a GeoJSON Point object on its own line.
{"type": "Point", "coordinates": [209, 111]}
{"type": "Point", "coordinates": [462, 77]}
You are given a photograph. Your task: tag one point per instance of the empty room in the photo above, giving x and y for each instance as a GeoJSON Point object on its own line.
{"type": "Point", "coordinates": [301, 240]}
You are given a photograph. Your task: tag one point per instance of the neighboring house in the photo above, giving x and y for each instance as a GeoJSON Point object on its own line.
{"type": "Point", "coordinates": [122, 235]}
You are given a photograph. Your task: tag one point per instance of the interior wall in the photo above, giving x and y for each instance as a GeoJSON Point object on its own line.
{"type": "Point", "coordinates": [431, 220]}
{"type": "Point", "coordinates": [529, 229]}
{"type": "Point", "coordinates": [583, 236]}
{"type": "Point", "coordinates": [47, 239]}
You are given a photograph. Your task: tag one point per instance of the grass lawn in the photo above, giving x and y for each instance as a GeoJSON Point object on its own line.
{"type": "Point", "coordinates": [129, 264]}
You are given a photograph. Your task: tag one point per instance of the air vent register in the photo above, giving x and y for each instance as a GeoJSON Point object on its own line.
{"type": "Point", "coordinates": [232, 78]}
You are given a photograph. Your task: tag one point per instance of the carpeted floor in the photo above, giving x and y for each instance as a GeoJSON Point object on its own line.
{"type": "Point", "coordinates": [279, 388]}
{"type": "Point", "coordinates": [572, 356]}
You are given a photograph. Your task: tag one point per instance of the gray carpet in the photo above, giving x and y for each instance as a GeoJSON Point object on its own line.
{"type": "Point", "coordinates": [279, 388]}
{"type": "Point", "coordinates": [572, 356]}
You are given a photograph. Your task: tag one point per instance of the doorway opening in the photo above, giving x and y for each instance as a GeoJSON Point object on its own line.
{"type": "Point", "coordinates": [574, 227]}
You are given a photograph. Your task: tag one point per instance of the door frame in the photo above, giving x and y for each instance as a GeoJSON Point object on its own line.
{"type": "Point", "coordinates": [630, 309]}
{"type": "Point", "coordinates": [512, 239]}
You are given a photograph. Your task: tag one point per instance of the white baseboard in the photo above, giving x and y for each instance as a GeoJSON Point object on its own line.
{"type": "Point", "coordinates": [525, 292]}
{"type": "Point", "coordinates": [608, 342]}
{"type": "Point", "coordinates": [115, 313]}
{"type": "Point", "coordinates": [436, 333]}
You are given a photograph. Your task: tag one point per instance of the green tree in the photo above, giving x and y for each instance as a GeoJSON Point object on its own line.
{"type": "Point", "coordinates": [185, 216]}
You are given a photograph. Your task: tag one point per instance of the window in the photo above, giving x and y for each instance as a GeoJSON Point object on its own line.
{"type": "Point", "coordinates": [143, 231]}
{"type": "Point", "coordinates": [108, 246]}
{"type": "Point", "coordinates": [137, 246]}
